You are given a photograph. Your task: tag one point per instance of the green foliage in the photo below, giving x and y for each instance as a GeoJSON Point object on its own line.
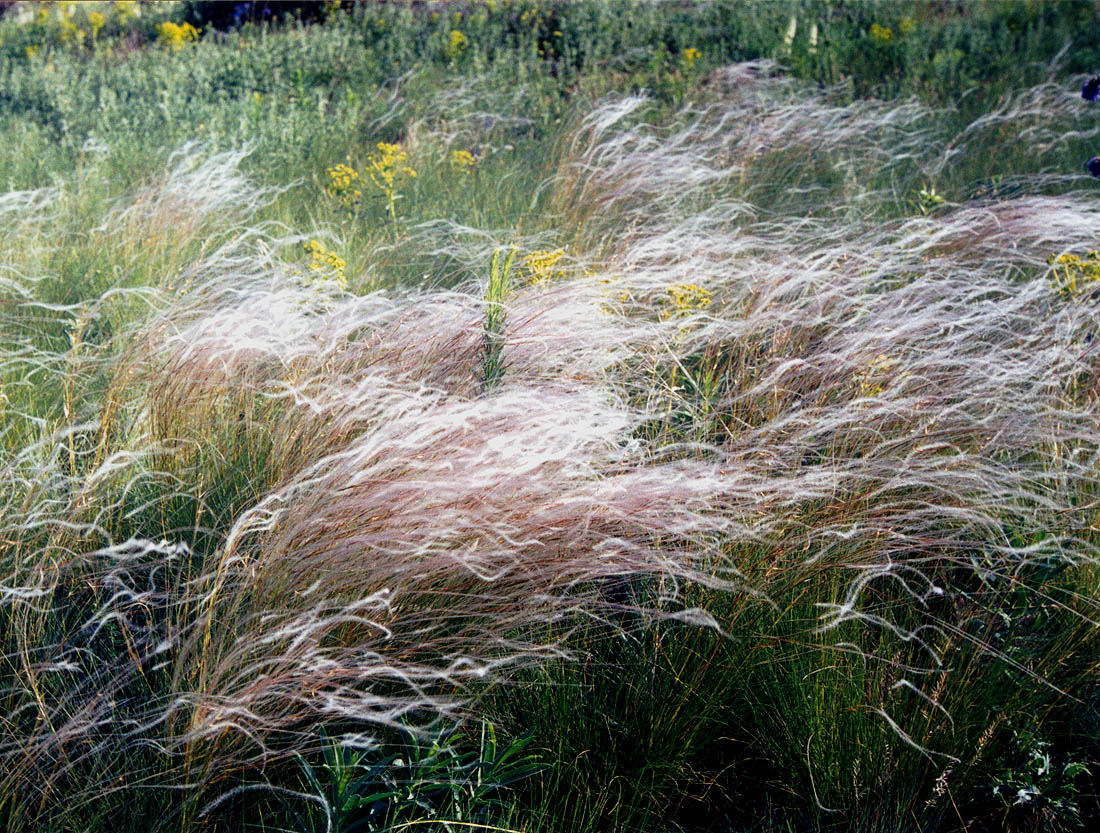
{"type": "Point", "coordinates": [497, 289]}
{"type": "Point", "coordinates": [928, 201]}
{"type": "Point", "coordinates": [423, 779]}
{"type": "Point", "coordinates": [1039, 787]}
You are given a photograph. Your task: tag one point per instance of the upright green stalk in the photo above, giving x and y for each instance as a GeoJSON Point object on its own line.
{"type": "Point", "coordinates": [500, 271]}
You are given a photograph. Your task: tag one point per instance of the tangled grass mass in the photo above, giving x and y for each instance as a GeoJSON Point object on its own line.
{"type": "Point", "coordinates": [500, 416]}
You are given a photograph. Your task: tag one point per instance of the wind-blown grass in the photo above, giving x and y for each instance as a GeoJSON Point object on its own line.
{"type": "Point", "coordinates": [780, 506]}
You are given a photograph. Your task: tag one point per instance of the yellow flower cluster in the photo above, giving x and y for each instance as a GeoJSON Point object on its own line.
{"type": "Point", "coordinates": [69, 32]}
{"type": "Point", "coordinates": [881, 33]}
{"type": "Point", "coordinates": [77, 25]}
{"type": "Point", "coordinates": [325, 265]}
{"type": "Point", "coordinates": [387, 164]}
{"type": "Point", "coordinates": [540, 266]}
{"type": "Point", "coordinates": [127, 9]}
{"type": "Point", "coordinates": [686, 297]}
{"type": "Point", "coordinates": [176, 36]}
{"type": "Point", "coordinates": [457, 44]}
{"type": "Point", "coordinates": [385, 167]}
{"type": "Point", "coordinates": [462, 161]}
{"type": "Point", "coordinates": [343, 185]}
{"type": "Point", "coordinates": [691, 55]}
{"type": "Point", "coordinates": [1072, 274]}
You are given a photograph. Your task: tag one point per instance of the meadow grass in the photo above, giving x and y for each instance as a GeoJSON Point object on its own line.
{"type": "Point", "coordinates": [610, 417]}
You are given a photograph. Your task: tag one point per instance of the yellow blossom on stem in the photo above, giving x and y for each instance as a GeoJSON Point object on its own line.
{"type": "Point", "coordinates": [540, 266]}
{"type": "Point", "coordinates": [67, 31]}
{"type": "Point", "coordinates": [462, 160]}
{"type": "Point", "coordinates": [176, 36]}
{"type": "Point", "coordinates": [325, 265]}
{"type": "Point", "coordinates": [457, 44]}
{"type": "Point", "coordinates": [881, 33]}
{"type": "Point", "coordinates": [126, 9]}
{"type": "Point", "coordinates": [1073, 274]}
{"type": "Point", "coordinates": [386, 168]}
{"type": "Point", "coordinates": [344, 185]}
{"type": "Point", "coordinates": [685, 297]}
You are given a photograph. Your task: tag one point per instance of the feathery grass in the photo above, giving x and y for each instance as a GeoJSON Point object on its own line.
{"type": "Point", "coordinates": [772, 502]}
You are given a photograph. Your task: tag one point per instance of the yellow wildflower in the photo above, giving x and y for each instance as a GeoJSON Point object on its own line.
{"type": "Point", "coordinates": [344, 185]}
{"type": "Point", "coordinates": [97, 21]}
{"type": "Point", "coordinates": [462, 161]}
{"type": "Point", "coordinates": [457, 44]}
{"type": "Point", "coordinates": [325, 265]}
{"type": "Point", "coordinates": [691, 55]}
{"type": "Point", "coordinates": [539, 266]}
{"type": "Point", "coordinates": [1073, 274]}
{"type": "Point", "coordinates": [68, 30]}
{"type": "Point", "coordinates": [176, 36]}
{"type": "Point", "coordinates": [385, 168]}
{"type": "Point", "coordinates": [126, 9]}
{"type": "Point", "coordinates": [686, 297]}
{"type": "Point", "coordinates": [881, 33]}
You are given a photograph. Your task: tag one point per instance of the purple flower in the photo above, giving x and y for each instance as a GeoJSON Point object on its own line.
{"type": "Point", "coordinates": [1090, 90]}
{"type": "Point", "coordinates": [1094, 166]}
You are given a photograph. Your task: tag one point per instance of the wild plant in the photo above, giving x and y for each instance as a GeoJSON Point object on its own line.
{"type": "Point", "coordinates": [423, 779]}
{"type": "Point", "coordinates": [343, 186]}
{"type": "Point", "coordinates": [497, 290]}
{"type": "Point", "coordinates": [787, 378]}
{"type": "Point", "coordinates": [386, 168]}
{"type": "Point", "coordinates": [1039, 784]}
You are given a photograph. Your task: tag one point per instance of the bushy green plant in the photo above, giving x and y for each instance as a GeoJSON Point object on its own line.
{"type": "Point", "coordinates": [1039, 785]}
{"type": "Point", "coordinates": [424, 779]}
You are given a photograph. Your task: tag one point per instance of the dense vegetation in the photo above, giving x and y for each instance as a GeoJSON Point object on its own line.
{"type": "Point", "coordinates": [549, 416]}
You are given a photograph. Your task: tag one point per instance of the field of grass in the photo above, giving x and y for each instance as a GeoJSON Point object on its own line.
{"type": "Point", "coordinates": [545, 416]}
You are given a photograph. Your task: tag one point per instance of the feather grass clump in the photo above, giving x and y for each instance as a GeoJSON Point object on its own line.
{"type": "Point", "coordinates": [237, 507]}
{"type": "Point", "coordinates": [287, 507]}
